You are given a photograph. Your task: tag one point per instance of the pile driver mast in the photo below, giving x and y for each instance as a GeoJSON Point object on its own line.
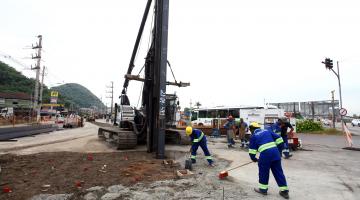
{"type": "Point", "coordinates": [154, 90]}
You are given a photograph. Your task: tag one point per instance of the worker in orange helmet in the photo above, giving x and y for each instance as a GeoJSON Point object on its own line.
{"type": "Point", "coordinates": [230, 126]}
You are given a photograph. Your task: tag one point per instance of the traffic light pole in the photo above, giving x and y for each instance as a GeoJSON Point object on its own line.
{"type": "Point", "coordinates": [338, 77]}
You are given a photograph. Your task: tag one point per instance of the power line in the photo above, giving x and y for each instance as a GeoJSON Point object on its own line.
{"type": "Point", "coordinates": [16, 61]}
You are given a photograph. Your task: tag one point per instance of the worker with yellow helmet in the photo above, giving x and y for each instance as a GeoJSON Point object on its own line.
{"type": "Point", "coordinates": [198, 138]}
{"type": "Point", "coordinates": [269, 145]}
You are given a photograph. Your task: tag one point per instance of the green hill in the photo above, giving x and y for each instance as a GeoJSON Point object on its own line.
{"type": "Point", "coordinates": [78, 95]}
{"type": "Point", "coordinates": [13, 81]}
{"type": "Point", "coordinates": [71, 94]}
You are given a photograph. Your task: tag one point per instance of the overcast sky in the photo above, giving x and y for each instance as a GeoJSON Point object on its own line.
{"type": "Point", "coordinates": [233, 52]}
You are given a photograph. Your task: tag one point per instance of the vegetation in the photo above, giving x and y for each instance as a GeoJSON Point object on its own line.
{"type": "Point", "coordinates": [308, 125]}
{"type": "Point", "coordinates": [72, 95]}
{"type": "Point", "coordinates": [77, 96]}
{"type": "Point", "coordinates": [13, 81]}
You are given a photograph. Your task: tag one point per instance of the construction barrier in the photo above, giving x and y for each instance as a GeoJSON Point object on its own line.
{"type": "Point", "coordinates": [16, 132]}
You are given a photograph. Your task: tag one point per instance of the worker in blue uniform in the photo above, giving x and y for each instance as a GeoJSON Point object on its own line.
{"type": "Point", "coordinates": [269, 145]}
{"type": "Point", "coordinates": [198, 138]}
{"type": "Point", "coordinates": [281, 127]}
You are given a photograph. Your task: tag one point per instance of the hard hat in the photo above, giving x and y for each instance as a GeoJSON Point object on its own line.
{"type": "Point", "coordinates": [255, 125]}
{"type": "Point", "coordinates": [189, 130]}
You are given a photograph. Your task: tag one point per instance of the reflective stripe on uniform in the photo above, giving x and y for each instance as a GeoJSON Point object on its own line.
{"type": "Point", "coordinates": [208, 157]}
{"type": "Point", "coordinates": [279, 141]}
{"type": "Point", "coordinates": [278, 132]}
{"type": "Point", "coordinates": [252, 151]}
{"type": "Point", "coordinates": [193, 157]}
{"type": "Point", "coordinates": [262, 186]}
{"type": "Point", "coordinates": [199, 139]}
{"type": "Point", "coordinates": [266, 146]}
{"type": "Point", "coordinates": [283, 188]}
{"type": "Point", "coordinates": [285, 150]}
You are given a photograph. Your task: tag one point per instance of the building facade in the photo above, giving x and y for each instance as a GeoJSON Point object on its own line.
{"type": "Point", "coordinates": [311, 109]}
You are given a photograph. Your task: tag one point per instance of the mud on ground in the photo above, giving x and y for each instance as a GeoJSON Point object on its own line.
{"type": "Point", "coordinates": [71, 173]}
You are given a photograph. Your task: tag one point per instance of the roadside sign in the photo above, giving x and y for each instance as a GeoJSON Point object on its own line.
{"type": "Point", "coordinates": [343, 111]}
{"type": "Point", "coordinates": [53, 100]}
{"type": "Point", "coordinates": [54, 93]}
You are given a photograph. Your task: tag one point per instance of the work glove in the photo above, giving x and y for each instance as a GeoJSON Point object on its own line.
{"type": "Point", "coordinates": [254, 159]}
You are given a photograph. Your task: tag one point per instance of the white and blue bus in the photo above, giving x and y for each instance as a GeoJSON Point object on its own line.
{"type": "Point", "coordinates": [209, 117]}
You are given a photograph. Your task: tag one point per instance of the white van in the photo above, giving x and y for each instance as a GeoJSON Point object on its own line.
{"type": "Point", "coordinates": [6, 112]}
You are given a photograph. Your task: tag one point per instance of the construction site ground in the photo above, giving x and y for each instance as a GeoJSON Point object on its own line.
{"type": "Point", "coordinates": [74, 164]}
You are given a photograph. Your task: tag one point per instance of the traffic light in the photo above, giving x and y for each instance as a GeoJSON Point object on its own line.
{"type": "Point", "coordinates": [328, 63]}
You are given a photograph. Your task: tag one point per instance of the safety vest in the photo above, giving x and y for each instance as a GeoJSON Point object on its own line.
{"type": "Point", "coordinates": [199, 138]}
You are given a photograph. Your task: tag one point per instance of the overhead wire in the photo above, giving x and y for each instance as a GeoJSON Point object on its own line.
{"type": "Point", "coordinates": [16, 61]}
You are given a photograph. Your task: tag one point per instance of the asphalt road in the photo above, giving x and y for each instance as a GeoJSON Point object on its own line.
{"type": "Point", "coordinates": [354, 130]}
{"type": "Point", "coordinates": [321, 170]}
{"type": "Point", "coordinates": [334, 141]}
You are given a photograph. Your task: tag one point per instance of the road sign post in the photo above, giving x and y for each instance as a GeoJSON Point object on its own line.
{"type": "Point", "coordinates": [343, 112]}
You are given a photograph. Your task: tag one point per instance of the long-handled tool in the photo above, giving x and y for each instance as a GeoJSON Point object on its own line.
{"type": "Point", "coordinates": [188, 162]}
{"type": "Point", "coordinates": [225, 173]}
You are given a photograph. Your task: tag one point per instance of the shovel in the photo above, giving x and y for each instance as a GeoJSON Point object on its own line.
{"type": "Point", "coordinates": [225, 173]}
{"type": "Point", "coordinates": [188, 162]}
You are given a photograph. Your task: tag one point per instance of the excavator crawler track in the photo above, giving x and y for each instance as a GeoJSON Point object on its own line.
{"type": "Point", "coordinates": [121, 138]}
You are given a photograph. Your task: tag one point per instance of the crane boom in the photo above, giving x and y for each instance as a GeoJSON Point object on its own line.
{"type": "Point", "coordinates": [136, 46]}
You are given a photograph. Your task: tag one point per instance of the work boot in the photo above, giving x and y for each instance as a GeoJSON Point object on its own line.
{"type": "Point", "coordinates": [230, 146]}
{"type": "Point", "coordinates": [284, 194]}
{"type": "Point", "coordinates": [289, 156]}
{"type": "Point", "coordinates": [259, 191]}
{"type": "Point", "coordinates": [211, 165]}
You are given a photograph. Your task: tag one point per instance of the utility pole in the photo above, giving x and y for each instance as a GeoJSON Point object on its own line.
{"type": "Point", "coordinates": [37, 68]}
{"type": "Point", "coordinates": [41, 90]}
{"type": "Point", "coordinates": [111, 97]}
{"type": "Point", "coordinates": [333, 108]}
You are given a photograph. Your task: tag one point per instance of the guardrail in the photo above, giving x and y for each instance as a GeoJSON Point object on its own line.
{"type": "Point", "coordinates": [16, 132]}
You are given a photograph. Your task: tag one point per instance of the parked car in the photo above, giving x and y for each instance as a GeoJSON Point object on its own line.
{"type": "Point", "coordinates": [355, 122]}
{"type": "Point", "coordinates": [6, 112]}
{"type": "Point", "coordinates": [326, 122]}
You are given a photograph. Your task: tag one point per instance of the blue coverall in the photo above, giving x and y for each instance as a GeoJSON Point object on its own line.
{"type": "Point", "coordinates": [269, 144]}
{"type": "Point", "coordinates": [198, 138]}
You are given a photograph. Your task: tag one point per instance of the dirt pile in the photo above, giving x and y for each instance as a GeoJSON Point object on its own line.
{"type": "Point", "coordinates": [72, 173]}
